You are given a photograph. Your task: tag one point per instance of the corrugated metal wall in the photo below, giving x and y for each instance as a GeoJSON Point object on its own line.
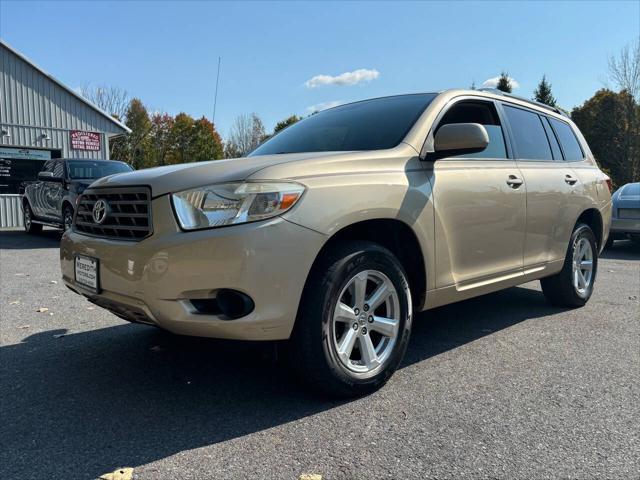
{"type": "Point", "coordinates": [11, 211]}
{"type": "Point", "coordinates": [31, 103]}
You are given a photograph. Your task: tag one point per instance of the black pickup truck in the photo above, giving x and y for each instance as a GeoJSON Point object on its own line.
{"type": "Point", "coordinates": [51, 200]}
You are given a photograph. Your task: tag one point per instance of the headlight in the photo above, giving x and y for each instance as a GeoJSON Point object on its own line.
{"type": "Point", "coordinates": [232, 203]}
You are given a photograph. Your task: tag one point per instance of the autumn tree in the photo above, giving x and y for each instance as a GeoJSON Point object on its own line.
{"type": "Point", "coordinates": [193, 140]}
{"type": "Point", "coordinates": [543, 93]}
{"type": "Point", "coordinates": [613, 136]}
{"type": "Point", "coordinates": [247, 132]}
{"type": "Point", "coordinates": [504, 83]}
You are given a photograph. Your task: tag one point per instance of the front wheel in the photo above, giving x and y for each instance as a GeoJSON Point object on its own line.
{"type": "Point", "coordinates": [573, 286]}
{"type": "Point", "coordinates": [27, 214]}
{"type": "Point", "coordinates": [354, 321]}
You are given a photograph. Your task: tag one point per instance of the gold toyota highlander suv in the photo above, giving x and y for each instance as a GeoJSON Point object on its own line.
{"type": "Point", "coordinates": [333, 232]}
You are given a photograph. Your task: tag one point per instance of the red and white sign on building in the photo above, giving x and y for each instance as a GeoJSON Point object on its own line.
{"type": "Point", "coordinates": [85, 140]}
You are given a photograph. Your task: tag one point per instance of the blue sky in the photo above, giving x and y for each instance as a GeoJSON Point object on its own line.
{"type": "Point", "coordinates": [166, 52]}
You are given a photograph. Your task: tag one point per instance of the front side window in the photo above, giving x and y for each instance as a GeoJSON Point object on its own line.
{"type": "Point", "coordinates": [486, 115]}
{"type": "Point", "coordinates": [88, 169]}
{"type": "Point", "coordinates": [528, 134]}
{"type": "Point", "coordinates": [58, 170]}
{"type": "Point", "coordinates": [568, 140]}
{"type": "Point", "coordinates": [375, 124]}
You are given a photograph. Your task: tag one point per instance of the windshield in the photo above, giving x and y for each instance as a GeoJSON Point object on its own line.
{"type": "Point", "coordinates": [93, 169]}
{"type": "Point", "coordinates": [369, 125]}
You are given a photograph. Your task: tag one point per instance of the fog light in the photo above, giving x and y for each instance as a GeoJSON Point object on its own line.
{"type": "Point", "coordinates": [234, 304]}
{"type": "Point", "coordinates": [228, 303]}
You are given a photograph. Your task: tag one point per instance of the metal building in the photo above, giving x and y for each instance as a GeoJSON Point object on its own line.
{"type": "Point", "coordinates": [41, 118]}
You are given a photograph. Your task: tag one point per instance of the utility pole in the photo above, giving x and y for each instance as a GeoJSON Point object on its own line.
{"type": "Point", "coordinates": [215, 98]}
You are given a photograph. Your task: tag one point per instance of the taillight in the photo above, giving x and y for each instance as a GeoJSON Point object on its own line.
{"type": "Point", "coordinates": [609, 184]}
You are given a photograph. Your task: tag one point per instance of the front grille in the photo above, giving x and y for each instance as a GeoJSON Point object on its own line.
{"type": "Point", "coordinates": [631, 213]}
{"type": "Point", "coordinates": [128, 213]}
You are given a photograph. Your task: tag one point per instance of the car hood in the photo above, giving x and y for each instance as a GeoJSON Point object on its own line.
{"type": "Point", "coordinates": [175, 178]}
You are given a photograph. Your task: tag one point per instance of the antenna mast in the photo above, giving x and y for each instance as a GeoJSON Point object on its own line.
{"type": "Point", "coordinates": [215, 98]}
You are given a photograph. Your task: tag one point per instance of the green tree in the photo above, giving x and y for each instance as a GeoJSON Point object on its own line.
{"type": "Point", "coordinates": [504, 83]}
{"type": "Point", "coordinates": [612, 133]}
{"type": "Point", "coordinates": [134, 147]}
{"type": "Point", "coordinates": [285, 123]}
{"type": "Point", "coordinates": [160, 137]}
{"type": "Point", "coordinates": [543, 93]}
{"type": "Point", "coordinates": [281, 125]}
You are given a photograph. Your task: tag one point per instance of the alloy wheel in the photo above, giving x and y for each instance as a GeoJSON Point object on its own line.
{"type": "Point", "coordinates": [366, 321]}
{"type": "Point", "coordinates": [582, 266]}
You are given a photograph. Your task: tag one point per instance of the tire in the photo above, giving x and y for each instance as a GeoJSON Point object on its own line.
{"type": "Point", "coordinates": [29, 226]}
{"type": "Point", "coordinates": [313, 347]}
{"type": "Point", "coordinates": [609, 243]}
{"type": "Point", "coordinates": [566, 289]}
{"type": "Point", "coordinates": [67, 218]}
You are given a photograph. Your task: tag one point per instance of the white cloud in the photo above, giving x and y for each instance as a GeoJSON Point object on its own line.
{"type": "Point", "coordinates": [323, 106]}
{"type": "Point", "coordinates": [346, 79]}
{"type": "Point", "coordinates": [493, 82]}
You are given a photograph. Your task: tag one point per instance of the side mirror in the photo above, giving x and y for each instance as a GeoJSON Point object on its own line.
{"type": "Point", "coordinates": [461, 138]}
{"type": "Point", "coordinates": [48, 177]}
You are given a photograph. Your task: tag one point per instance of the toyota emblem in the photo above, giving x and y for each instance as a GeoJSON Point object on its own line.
{"type": "Point", "coordinates": [100, 211]}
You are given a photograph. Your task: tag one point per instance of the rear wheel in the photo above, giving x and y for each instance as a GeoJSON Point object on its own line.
{"type": "Point", "coordinates": [67, 217]}
{"type": "Point", "coordinates": [27, 214]}
{"type": "Point", "coordinates": [354, 321]}
{"type": "Point", "coordinates": [610, 241]}
{"type": "Point", "coordinates": [573, 286]}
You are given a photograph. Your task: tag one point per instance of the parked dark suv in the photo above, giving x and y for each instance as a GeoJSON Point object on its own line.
{"type": "Point", "coordinates": [51, 200]}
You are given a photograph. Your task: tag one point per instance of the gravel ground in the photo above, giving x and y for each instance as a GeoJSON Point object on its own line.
{"type": "Point", "coordinates": [499, 386]}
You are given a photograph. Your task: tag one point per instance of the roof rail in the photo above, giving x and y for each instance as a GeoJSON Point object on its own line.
{"type": "Point", "coordinates": [496, 91]}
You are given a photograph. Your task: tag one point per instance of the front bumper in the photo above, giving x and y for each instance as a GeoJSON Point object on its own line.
{"type": "Point", "coordinates": [625, 226]}
{"type": "Point", "coordinates": [151, 281]}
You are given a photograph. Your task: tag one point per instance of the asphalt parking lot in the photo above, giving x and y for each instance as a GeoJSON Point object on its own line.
{"type": "Point", "coordinates": [499, 386]}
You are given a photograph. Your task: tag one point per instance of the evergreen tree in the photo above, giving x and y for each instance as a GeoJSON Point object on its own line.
{"type": "Point", "coordinates": [543, 93]}
{"type": "Point", "coordinates": [285, 123]}
{"type": "Point", "coordinates": [504, 83]}
{"type": "Point", "coordinates": [134, 147]}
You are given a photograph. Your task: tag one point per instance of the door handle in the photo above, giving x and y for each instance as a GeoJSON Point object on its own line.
{"type": "Point", "coordinates": [514, 182]}
{"type": "Point", "coordinates": [571, 180]}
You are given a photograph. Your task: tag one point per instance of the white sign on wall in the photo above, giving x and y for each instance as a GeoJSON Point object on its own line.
{"type": "Point", "coordinates": [24, 154]}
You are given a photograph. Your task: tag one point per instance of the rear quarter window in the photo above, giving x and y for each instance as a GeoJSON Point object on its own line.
{"type": "Point", "coordinates": [570, 145]}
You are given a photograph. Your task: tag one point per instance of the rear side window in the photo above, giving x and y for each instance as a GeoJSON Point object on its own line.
{"type": "Point", "coordinates": [568, 140]}
{"type": "Point", "coordinates": [555, 146]}
{"type": "Point", "coordinates": [529, 136]}
{"type": "Point", "coordinates": [485, 114]}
